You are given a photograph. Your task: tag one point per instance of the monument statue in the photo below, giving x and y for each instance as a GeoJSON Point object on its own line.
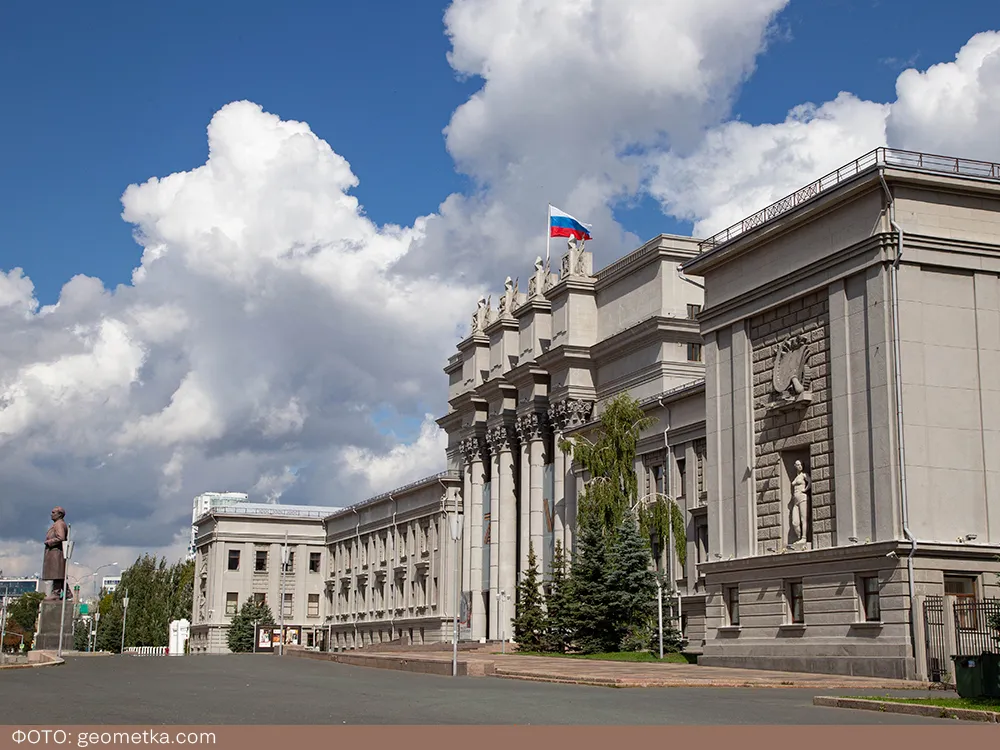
{"type": "Point", "coordinates": [508, 301]}
{"type": "Point", "coordinates": [54, 563]}
{"type": "Point", "coordinates": [800, 504]}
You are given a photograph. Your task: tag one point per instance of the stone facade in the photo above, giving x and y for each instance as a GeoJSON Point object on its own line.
{"type": "Point", "coordinates": [784, 435]}
{"type": "Point", "coordinates": [393, 567]}
{"type": "Point", "coordinates": [238, 557]}
{"type": "Point", "coordinates": [847, 328]}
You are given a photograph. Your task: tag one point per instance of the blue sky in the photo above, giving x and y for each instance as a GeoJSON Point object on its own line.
{"type": "Point", "coordinates": [101, 95]}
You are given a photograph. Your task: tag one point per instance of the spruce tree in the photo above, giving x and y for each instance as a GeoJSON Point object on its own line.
{"type": "Point", "coordinates": [592, 615]}
{"type": "Point", "coordinates": [632, 589]}
{"type": "Point", "coordinates": [529, 623]}
{"type": "Point", "coordinates": [557, 604]}
{"type": "Point", "coordinates": [241, 629]}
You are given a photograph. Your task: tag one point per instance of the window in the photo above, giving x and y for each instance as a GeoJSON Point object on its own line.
{"type": "Point", "coordinates": [260, 599]}
{"type": "Point", "coordinates": [232, 602]}
{"type": "Point", "coordinates": [234, 559]}
{"type": "Point", "coordinates": [963, 590]}
{"type": "Point", "coordinates": [260, 561]}
{"type": "Point", "coordinates": [290, 567]}
{"type": "Point", "coordinates": [795, 603]}
{"type": "Point", "coordinates": [701, 539]}
{"type": "Point", "coordinates": [314, 558]}
{"type": "Point", "coordinates": [694, 352]}
{"type": "Point", "coordinates": [682, 479]}
{"type": "Point", "coordinates": [733, 604]}
{"type": "Point", "coordinates": [287, 609]}
{"type": "Point", "coordinates": [313, 605]}
{"type": "Point", "coordinates": [693, 311]}
{"type": "Point", "coordinates": [870, 600]}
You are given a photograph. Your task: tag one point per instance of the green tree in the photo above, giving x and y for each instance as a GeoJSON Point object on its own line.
{"type": "Point", "coordinates": [241, 629]}
{"type": "Point", "coordinates": [81, 634]}
{"type": "Point", "coordinates": [557, 604]}
{"type": "Point", "coordinates": [632, 587]}
{"type": "Point", "coordinates": [529, 623]}
{"type": "Point", "coordinates": [157, 595]}
{"type": "Point", "coordinates": [610, 461]}
{"type": "Point", "coordinates": [591, 603]}
{"type": "Point", "coordinates": [24, 610]}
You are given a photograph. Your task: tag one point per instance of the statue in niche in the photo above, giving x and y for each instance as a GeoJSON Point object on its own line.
{"type": "Point", "coordinates": [799, 520]}
{"type": "Point", "coordinates": [790, 375]}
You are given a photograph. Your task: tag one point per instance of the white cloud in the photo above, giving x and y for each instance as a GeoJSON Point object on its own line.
{"type": "Point", "coordinates": [402, 463]}
{"type": "Point", "coordinates": [951, 109]}
{"type": "Point", "coordinates": [269, 319]}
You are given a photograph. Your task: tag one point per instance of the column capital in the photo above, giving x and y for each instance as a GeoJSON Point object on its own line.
{"type": "Point", "coordinates": [472, 449]}
{"type": "Point", "coordinates": [532, 426]}
{"type": "Point", "coordinates": [570, 412]}
{"type": "Point", "coordinates": [500, 437]}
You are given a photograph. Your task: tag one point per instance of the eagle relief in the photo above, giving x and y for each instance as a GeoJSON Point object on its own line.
{"type": "Point", "coordinates": [790, 376]}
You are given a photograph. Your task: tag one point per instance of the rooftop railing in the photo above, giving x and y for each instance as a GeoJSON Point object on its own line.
{"type": "Point", "coordinates": [880, 157]}
{"type": "Point", "coordinates": [449, 474]}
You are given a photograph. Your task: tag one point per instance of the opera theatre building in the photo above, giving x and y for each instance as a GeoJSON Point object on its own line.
{"type": "Point", "coordinates": [823, 382]}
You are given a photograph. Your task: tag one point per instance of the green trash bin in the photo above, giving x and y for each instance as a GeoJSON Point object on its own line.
{"type": "Point", "coordinates": [969, 675]}
{"type": "Point", "coordinates": [991, 674]}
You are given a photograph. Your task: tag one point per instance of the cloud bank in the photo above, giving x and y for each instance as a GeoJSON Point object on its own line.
{"type": "Point", "coordinates": [271, 329]}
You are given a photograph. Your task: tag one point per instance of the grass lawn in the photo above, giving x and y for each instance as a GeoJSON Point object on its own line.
{"type": "Point", "coordinates": [977, 704]}
{"type": "Point", "coordinates": [631, 656]}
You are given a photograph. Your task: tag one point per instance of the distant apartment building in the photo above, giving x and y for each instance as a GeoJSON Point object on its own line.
{"type": "Point", "coordinates": [208, 500]}
{"type": "Point", "coordinates": [109, 584]}
{"type": "Point", "coordinates": [238, 557]}
{"type": "Point", "coordinates": [12, 588]}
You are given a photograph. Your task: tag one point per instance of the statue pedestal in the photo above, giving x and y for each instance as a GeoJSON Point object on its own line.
{"type": "Point", "coordinates": [47, 638]}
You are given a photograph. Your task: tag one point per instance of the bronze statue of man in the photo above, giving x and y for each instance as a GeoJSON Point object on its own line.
{"type": "Point", "coordinates": [54, 563]}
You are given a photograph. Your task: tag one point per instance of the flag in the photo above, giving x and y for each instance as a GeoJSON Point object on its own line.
{"type": "Point", "coordinates": [561, 224]}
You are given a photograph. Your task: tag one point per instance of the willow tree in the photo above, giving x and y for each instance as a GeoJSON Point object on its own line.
{"type": "Point", "coordinates": [612, 489]}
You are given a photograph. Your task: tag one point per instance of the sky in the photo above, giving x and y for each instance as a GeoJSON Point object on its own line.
{"type": "Point", "coordinates": [238, 241]}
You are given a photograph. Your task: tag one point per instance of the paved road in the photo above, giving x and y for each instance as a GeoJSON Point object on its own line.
{"type": "Point", "coordinates": [266, 689]}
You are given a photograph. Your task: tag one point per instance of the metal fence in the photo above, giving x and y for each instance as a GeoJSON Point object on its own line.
{"type": "Point", "coordinates": [935, 640]}
{"type": "Point", "coordinates": [974, 630]}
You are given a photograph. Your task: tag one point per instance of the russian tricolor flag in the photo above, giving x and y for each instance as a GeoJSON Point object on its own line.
{"type": "Point", "coordinates": [561, 224]}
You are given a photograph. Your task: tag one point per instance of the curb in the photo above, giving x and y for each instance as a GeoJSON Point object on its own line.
{"type": "Point", "coordinates": [53, 662]}
{"type": "Point", "coordinates": [911, 709]}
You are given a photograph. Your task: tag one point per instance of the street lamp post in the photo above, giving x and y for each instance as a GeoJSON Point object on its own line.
{"type": "Point", "coordinates": [124, 618]}
{"type": "Point", "coordinates": [97, 624]}
{"type": "Point", "coordinates": [67, 550]}
{"type": "Point", "coordinates": [456, 535]}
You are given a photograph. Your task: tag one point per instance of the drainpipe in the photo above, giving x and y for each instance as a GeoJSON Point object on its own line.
{"type": "Point", "coordinates": [392, 580]}
{"type": "Point", "coordinates": [356, 564]}
{"type": "Point", "coordinates": [898, 387]}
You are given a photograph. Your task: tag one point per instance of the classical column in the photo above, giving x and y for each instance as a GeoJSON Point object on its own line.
{"type": "Point", "coordinates": [494, 439]}
{"type": "Point", "coordinates": [506, 527]}
{"type": "Point", "coordinates": [522, 500]}
{"type": "Point", "coordinates": [577, 413]}
{"type": "Point", "coordinates": [473, 449]}
{"type": "Point", "coordinates": [560, 460]}
{"type": "Point", "coordinates": [536, 452]}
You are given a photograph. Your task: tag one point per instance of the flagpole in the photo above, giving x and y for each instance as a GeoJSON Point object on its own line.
{"type": "Point", "coordinates": [548, 237]}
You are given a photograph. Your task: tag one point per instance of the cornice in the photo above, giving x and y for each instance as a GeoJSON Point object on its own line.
{"type": "Point", "coordinates": [476, 339]}
{"type": "Point", "coordinates": [451, 422]}
{"type": "Point", "coordinates": [533, 305]}
{"type": "Point", "coordinates": [564, 353]}
{"type": "Point", "coordinates": [655, 329]}
{"type": "Point", "coordinates": [652, 252]}
{"type": "Point", "coordinates": [582, 284]}
{"type": "Point", "coordinates": [823, 204]}
{"type": "Point", "coordinates": [879, 249]}
{"type": "Point", "coordinates": [504, 323]}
